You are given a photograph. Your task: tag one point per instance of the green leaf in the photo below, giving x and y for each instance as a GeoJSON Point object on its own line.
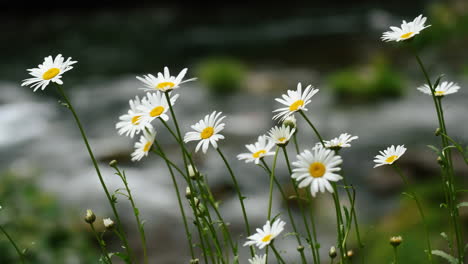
{"type": "Point", "coordinates": [434, 148]}
{"type": "Point", "coordinates": [446, 256]}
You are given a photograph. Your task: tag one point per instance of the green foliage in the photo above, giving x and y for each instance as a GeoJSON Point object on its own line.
{"type": "Point", "coordinates": [376, 81]}
{"type": "Point", "coordinates": [38, 224]}
{"type": "Point", "coordinates": [222, 75]}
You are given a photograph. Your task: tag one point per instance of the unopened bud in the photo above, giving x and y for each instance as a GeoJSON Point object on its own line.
{"type": "Point", "coordinates": [396, 241]}
{"type": "Point", "coordinates": [437, 132]}
{"type": "Point", "coordinates": [300, 248]}
{"type": "Point", "coordinates": [196, 201]}
{"type": "Point", "coordinates": [332, 253]}
{"type": "Point", "coordinates": [193, 173]}
{"type": "Point", "coordinates": [113, 163]}
{"type": "Point", "coordinates": [188, 193]}
{"type": "Point", "coordinates": [90, 217]}
{"type": "Point", "coordinates": [194, 261]}
{"type": "Point", "coordinates": [290, 122]}
{"type": "Point", "coordinates": [440, 161]}
{"type": "Point", "coordinates": [350, 254]}
{"type": "Point", "coordinates": [108, 223]}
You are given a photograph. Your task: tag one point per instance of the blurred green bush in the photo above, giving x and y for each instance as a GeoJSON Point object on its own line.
{"type": "Point", "coordinates": [222, 75]}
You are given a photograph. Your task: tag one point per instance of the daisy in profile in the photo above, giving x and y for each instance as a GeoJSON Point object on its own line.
{"type": "Point", "coordinates": [258, 259]}
{"type": "Point", "coordinates": [294, 101]}
{"type": "Point", "coordinates": [389, 156]}
{"type": "Point", "coordinates": [206, 131]}
{"type": "Point", "coordinates": [442, 89]}
{"type": "Point", "coordinates": [143, 146]}
{"type": "Point", "coordinates": [132, 122]}
{"type": "Point", "coordinates": [316, 169]}
{"type": "Point", "coordinates": [155, 106]}
{"type": "Point", "coordinates": [260, 149]}
{"type": "Point", "coordinates": [264, 236]}
{"type": "Point", "coordinates": [50, 70]}
{"type": "Point", "coordinates": [407, 30]}
{"type": "Point", "coordinates": [281, 135]}
{"type": "Point", "coordinates": [164, 82]}
{"type": "Point", "coordinates": [340, 142]}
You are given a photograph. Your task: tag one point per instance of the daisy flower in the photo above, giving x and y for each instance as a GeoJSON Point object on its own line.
{"type": "Point", "coordinates": [340, 142]}
{"type": "Point", "coordinates": [258, 259]}
{"type": "Point", "coordinates": [260, 149]}
{"type": "Point", "coordinates": [317, 169]}
{"type": "Point", "coordinates": [206, 131]}
{"type": "Point", "coordinates": [281, 135]}
{"type": "Point", "coordinates": [132, 122]}
{"type": "Point", "coordinates": [164, 82]}
{"type": "Point", "coordinates": [143, 146]}
{"type": "Point", "coordinates": [442, 89]}
{"type": "Point", "coordinates": [294, 101]}
{"type": "Point", "coordinates": [407, 30]}
{"type": "Point", "coordinates": [50, 71]}
{"type": "Point", "coordinates": [390, 155]}
{"type": "Point", "coordinates": [155, 106]}
{"type": "Point", "coordinates": [264, 237]}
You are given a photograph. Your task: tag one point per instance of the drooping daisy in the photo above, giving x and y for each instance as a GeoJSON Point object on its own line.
{"type": "Point", "coordinates": [317, 168]}
{"type": "Point", "coordinates": [258, 259]}
{"type": "Point", "coordinates": [264, 237]}
{"type": "Point", "coordinates": [132, 122]}
{"type": "Point", "coordinates": [50, 70]}
{"type": "Point", "coordinates": [340, 142]}
{"type": "Point", "coordinates": [143, 146]}
{"type": "Point", "coordinates": [442, 89]}
{"type": "Point", "coordinates": [164, 82]}
{"type": "Point", "coordinates": [260, 149]}
{"type": "Point", "coordinates": [294, 101]}
{"type": "Point", "coordinates": [390, 155]}
{"type": "Point", "coordinates": [206, 131]}
{"type": "Point", "coordinates": [407, 30]}
{"type": "Point", "coordinates": [281, 135]}
{"type": "Point", "coordinates": [155, 106]}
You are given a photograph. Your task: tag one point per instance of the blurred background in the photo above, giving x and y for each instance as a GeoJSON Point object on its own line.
{"type": "Point", "coordinates": [244, 57]}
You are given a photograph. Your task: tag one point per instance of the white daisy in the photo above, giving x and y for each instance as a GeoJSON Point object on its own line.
{"type": "Point", "coordinates": [143, 146]}
{"type": "Point", "coordinates": [164, 82]}
{"type": "Point", "coordinates": [50, 71]}
{"type": "Point", "coordinates": [258, 259]}
{"type": "Point", "coordinates": [294, 101]}
{"type": "Point", "coordinates": [132, 122]}
{"type": "Point", "coordinates": [442, 89]}
{"type": "Point", "coordinates": [155, 106]}
{"type": "Point", "coordinates": [407, 30]}
{"type": "Point", "coordinates": [290, 121]}
{"type": "Point", "coordinates": [340, 142]}
{"type": "Point", "coordinates": [108, 223]}
{"type": "Point", "coordinates": [264, 237]}
{"type": "Point", "coordinates": [206, 131]}
{"type": "Point", "coordinates": [260, 149]}
{"type": "Point", "coordinates": [317, 169]}
{"type": "Point", "coordinates": [390, 155]}
{"type": "Point", "coordinates": [281, 135]}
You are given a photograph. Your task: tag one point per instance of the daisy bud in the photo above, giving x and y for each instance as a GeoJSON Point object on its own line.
{"type": "Point", "coordinates": [440, 161]}
{"type": "Point", "coordinates": [300, 248]}
{"type": "Point", "coordinates": [290, 122]}
{"type": "Point", "coordinates": [350, 254]}
{"type": "Point", "coordinates": [193, 174]}
{"type": "Point", "coordinates": [108, 223]}
{"type": "Point", "coordinates": [194, 261]}
{"type": "Point", "coordinates": [437, 132]}
{"type": "Point", "coordinates": [396, 241]}
{"type": "Point", "coordinates": [188, 193]}
{"type": "Point", "coordinates": [196, 201]}
{"type": "Point", "coordinates": [90, 217]}
{"type": "Point", "coordinates": [332, 253]}
{"type": "Point", "coordinates": [113, 163]}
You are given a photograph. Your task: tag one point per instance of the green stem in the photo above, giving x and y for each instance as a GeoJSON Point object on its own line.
{"type": "Point", "coordinates": [421, 212]}
{"type": "Point", "coordinates": [313, 127]}
{"type": "Point", "coordinates": [12, 242]}
{"type": "Point", "coordinates": [278, 256]}
{"type": "Point", "coordinates": [339, 222]}
{"type": "Point", "coordinates": [295, 142]}
{"type": "Point", "coordinates": [395, 255]}
{"type": "Point", "coordinates": [101, 180]}
{"type": "Point", "coordinates": [272, 178]}
{"type": "Point", "coordinates": [101, 244]}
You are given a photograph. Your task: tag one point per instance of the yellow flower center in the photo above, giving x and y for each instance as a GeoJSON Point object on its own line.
{"type": "Point", "coordinates": [391, 158]}
{"type": "Point", "coordinates": [407, 35]}
{"type": "Point", "coordinates": [163, 85]}
{"type": "Point", "coordinates": [439, 93]}
{"type": "Point", "coordinates": [281, 139]}
{"type": "Point", "coordinates": [50, 73]}
{"type": "Point", "coordinates": [156, 111]}
{"type": "Point", "coordinates": [136, 120]}
{"type": "Point", "coordinates": [207, 132]}
{"type": "Point", "coordinates": [147, 146]}
{"type": "Point", "coordinates": [258, 153]}
{"type": "Point", "coordinates": [266, 238]}
{"type": "Point", "coordinates": [317, 169]}
{"type": "Point", "coordinates": [294, 106]}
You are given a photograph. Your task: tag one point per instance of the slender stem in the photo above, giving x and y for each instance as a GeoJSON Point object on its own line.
{"type": "Point", "coordinates": [272, 177]}
{"type": "Point", "coordinates": [295, 142]}
{"type": "Point", "coordinates": [101, 180]}
{"type": "Point", "coordinates": [101, 244]}
{"type": "Point", "coordinates": [12, 242]}
{"type": "Point", "coordinates": [278, 256]}
{"type": "Point", "coordinates": [395, 255]}
{"type": "Point", "coordinates": [421, 212]}
{"type": "Point", "coordinates": [239, 196]}
{"type": "Point", "coordinates": [313, 127]}
{"type": "Point", "coordinates": [339, 222]}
